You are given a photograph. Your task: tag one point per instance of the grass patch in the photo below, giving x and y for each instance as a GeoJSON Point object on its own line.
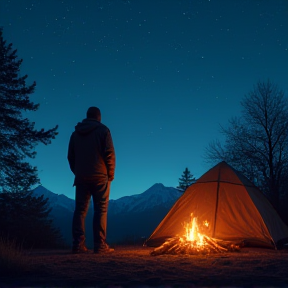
{"type": "Point", "coordinates": [13, 260]}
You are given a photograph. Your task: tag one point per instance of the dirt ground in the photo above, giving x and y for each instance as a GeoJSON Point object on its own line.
{"type": "Point", "coordinates": [133, 266]}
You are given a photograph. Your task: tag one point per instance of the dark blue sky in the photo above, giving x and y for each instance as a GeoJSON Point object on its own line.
{"type": "Point", "coordinates": [165, 75]}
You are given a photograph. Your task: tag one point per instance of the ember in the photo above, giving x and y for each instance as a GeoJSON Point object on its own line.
{"type": "Point", "coordinates": [193, 242]}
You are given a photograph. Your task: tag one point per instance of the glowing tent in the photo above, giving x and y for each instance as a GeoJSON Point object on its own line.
{"type": "Point", "coordinates": [234, 207]}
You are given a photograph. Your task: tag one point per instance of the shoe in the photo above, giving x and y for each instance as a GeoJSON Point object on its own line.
{"type": "Point", "coordinates": [79, 249]}
{"type": "Point", "coordinates": [103, 248]}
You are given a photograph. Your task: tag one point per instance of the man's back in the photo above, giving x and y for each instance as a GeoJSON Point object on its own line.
{"type": "Point", "coordinates": [91, 153]}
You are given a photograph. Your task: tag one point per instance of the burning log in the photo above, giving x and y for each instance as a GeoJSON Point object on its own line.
{"type": "Point", "coordinates": [165, 246]}
{"type": "Point", "coordinates": [193, 242]}
{"type": "Point", "coordinates": [214, 245]}
{"type": "Point", "coordinates": [179, 245]}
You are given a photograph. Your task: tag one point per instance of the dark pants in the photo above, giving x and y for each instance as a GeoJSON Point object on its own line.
{"type": "Point", "coordinates": [100, 195]}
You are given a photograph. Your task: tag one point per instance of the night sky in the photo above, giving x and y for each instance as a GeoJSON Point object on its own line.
{"type": "Point", "coordinates": [165, 74]}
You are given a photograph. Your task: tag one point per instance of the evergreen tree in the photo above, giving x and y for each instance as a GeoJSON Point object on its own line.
{"type": "Point", "coordinates": [18, 137]}
{"type": "Point", "coordinates": [23, 217]}
{"type": "Point", "coordinates": [186, 180]}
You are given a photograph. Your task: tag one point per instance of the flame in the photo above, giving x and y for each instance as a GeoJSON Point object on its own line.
{"type": "Point", "coordinates": [192, 233]}
{"type": "Point", "coordinates": [194, 241]}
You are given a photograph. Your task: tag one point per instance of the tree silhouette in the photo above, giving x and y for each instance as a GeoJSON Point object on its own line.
{"type": "Point", "coordinates": [186, 180]}
{"type": "Point", "coordinates": [23, 217]}
{"type": "Point", "coordinates": [18, 137]}
{"type": "Point", "coordinates": [257, 142]}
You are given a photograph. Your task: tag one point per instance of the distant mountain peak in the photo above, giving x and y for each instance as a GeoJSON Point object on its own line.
{"type": "Point", "coordinates": [156, 195]}
{"type": "Point", "coordinates": [41, 189]}
{"type": "Point", "coordinates": [158, 187]}
{"type": "Point", "coordinates": [54, 199]}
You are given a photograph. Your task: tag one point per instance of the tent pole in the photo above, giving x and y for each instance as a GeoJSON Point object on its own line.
{"type": "Point", "coordinates": [217, 197]}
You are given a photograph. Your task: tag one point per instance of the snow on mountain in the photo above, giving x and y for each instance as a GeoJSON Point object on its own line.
{"type": "Point", "coordinates": [55, 199]}
{"type": "Point", "coordinates": [157, 195]}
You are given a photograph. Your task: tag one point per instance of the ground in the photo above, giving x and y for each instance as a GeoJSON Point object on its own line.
{"type": "Point", "coordinates": [133, 266]}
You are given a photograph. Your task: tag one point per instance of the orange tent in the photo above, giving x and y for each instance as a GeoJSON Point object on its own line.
{"type": "Point", "coordinates": [234, 207]}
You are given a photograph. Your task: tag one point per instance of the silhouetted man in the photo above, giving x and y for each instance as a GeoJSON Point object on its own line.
{"type": "Point", "coordinates": [91, 158]}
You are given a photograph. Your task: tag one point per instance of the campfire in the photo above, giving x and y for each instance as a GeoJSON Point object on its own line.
{"type": "Point", "coordinates": [194, 241]}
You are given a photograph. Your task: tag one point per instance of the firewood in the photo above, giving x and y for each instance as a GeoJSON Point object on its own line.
{"type": "Point", "coordinates": [177, 245]}
{"type": "Point", "coordinates": [214, 244]}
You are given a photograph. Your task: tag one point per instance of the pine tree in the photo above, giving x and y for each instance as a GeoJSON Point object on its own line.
{"type": "Point", "coordinates": [23, 217]}
{"type": "Point", "coordinates": [18, 137]}
{"type": "Point", "coordinates": [186, 180]}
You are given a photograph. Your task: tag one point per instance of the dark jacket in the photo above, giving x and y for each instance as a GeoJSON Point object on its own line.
{"type": "Point", "coordinates": [91, 152]}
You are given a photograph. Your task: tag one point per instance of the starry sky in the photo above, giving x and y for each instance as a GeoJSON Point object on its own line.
{"type": "Point", "coordinates": [165, 74]}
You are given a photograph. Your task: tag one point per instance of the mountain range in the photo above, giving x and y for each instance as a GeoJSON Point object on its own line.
{"type": "Point", "coordinates": [131, 219]}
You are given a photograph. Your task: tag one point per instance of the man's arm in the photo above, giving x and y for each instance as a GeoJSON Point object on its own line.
{"type": "Point", "coordinates": [110, 156]}
{"type": "Point", "coordinates": [71, 155]}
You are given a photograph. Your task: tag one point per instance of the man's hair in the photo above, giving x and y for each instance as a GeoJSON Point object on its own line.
{"type": "Point", "coordinates": [94, 112]}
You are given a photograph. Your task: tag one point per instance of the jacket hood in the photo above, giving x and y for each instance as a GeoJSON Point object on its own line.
{"type": "Point", "coordinates": [87, 125]}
